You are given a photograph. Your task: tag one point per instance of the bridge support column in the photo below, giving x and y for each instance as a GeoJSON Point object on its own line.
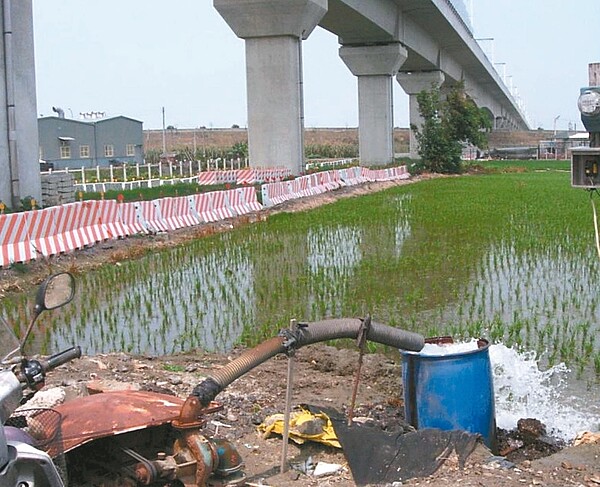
{"type": "Point", "coordinates": [273, 31]}
{"type": "Point", "coordinates": [374, 66]}
{"type": "Point", "coordinates": [19, 146]}
{"type": "Point", "coordinates": [413, 84]}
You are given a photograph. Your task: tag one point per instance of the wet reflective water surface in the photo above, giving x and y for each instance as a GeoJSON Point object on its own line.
{"type": "Point", "coordinates": [437, 258]}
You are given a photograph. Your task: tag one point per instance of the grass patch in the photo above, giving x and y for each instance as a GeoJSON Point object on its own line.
{"type": "Point", "coordinates": [147, 194]}
{"type": "Point", "coordinates": [511, 166]}
{"type": "Point", "coordinates": [173, 368]}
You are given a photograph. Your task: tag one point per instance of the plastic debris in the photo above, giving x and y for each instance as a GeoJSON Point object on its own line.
{"type": "Point", "coordinates": [304, 426]}
{"type": "Point", "coordinates": [324, 468]}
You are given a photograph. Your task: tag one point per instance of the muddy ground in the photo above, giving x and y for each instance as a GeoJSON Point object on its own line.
{"type": "Point", "coordinates": [323, 376]}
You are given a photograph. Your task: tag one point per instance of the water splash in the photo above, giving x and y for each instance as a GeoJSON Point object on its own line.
{"type": "Point", "coordinates": [523, 390]}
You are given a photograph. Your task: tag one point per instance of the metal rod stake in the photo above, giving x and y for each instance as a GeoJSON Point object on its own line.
{"type": "Point", "coordinates": [288, 404]}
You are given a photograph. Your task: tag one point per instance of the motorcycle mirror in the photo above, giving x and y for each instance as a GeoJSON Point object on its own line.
{"type": "Point", "coordinates": [56, 291]}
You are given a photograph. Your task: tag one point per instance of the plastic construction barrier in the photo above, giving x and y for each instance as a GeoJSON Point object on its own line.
{"type": "Point", "coordinates": [220, 204]}
{"type": "Point", "coordinates": [242, 201]}
{"type": "Point", "coordinates": [130, 217]}
{"type": "Point", "coordinates": [276, 193]}
{"type": "Point", "coordinates": [249, 198]}
{"type": "Point", "coordinates": [243, 176]}
{"type": "Point", "coordinates": [41, 233]}
{"type": "Point", "coordinates": [28, 235]}
{"type": "Point", "coordinates": [110, 218]}
{"type": "Point", "coordinates": [169, 210]}
{"type": "Point", "coordinates": [78, 225]}
{"type": "Point", "coordinates": [202, 208]}
{"type": "Point", "coordinates": [13, 235]}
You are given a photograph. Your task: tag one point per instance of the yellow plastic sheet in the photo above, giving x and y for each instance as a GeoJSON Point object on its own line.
{"type": "Point", "coordinates": [304, 426]}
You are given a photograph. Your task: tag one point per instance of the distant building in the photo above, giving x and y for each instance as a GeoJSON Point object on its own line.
{"type": "Point", "coordinates": [72, 143]}
{"type": "Point", "coordinates": [562, 143]}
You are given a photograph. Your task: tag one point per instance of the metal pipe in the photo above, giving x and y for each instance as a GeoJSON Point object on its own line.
{"type": "Point", "coordinates": [13, 161]}
{"type": "Point", "coordinates": [305, 334]}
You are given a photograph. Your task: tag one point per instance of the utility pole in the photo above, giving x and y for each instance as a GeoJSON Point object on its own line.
{"type": "Point", "coordinates": [164, 137]}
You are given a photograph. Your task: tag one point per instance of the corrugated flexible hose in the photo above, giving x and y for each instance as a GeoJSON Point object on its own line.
{"type": "Point", "coordinates": [305, 334]}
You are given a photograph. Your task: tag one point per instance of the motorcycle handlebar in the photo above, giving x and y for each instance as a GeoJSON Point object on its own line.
{"type": "Point", "coordinates": [62, 358]}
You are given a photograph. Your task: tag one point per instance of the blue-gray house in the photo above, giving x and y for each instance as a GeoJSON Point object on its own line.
{"type": "Point", "coordinates": [72, 143]}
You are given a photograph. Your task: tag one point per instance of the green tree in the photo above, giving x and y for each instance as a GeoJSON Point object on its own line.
{"type": "Point", "coordinates": [448, 124]}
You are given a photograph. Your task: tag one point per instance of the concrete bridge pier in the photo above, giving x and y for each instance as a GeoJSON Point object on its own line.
{"type": "Point", "coordinates": [374, 66]}
{"type": "Point", "coordinates": [413, 83]}
{"type": "Point", "coordinates": [273, 31]}
{"type": "Point", "coordinates": [19, 147]}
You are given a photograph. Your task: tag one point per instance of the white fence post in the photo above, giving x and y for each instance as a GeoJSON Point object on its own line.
{"type": "Point", "coordinates": [112, 174]}
{"type": "Point", "coordinates": [137, 170]}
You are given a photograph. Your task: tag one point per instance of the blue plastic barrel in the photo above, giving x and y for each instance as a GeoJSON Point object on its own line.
{"type": "Point", "coordinates": [449, 392]}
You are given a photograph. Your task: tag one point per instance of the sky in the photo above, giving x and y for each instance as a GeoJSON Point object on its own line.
{"type": "Point", "coordinates": [134, 57]}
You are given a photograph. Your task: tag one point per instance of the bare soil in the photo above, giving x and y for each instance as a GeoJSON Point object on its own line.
{"type": "Point", "coordinates": [323, 376]}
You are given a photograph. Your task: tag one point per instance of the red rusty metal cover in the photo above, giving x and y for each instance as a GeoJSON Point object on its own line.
{"type": "Point", "coordinates": [112, 413]}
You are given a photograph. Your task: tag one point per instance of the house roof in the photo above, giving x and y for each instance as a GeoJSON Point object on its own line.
{"type": "Point", "coordinates": [114, 118]}
{"type": "Point", "coordinates": [89, 122]}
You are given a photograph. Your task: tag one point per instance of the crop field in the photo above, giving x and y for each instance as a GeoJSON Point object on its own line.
{"type": "Point", "coordinates": [507, 255]}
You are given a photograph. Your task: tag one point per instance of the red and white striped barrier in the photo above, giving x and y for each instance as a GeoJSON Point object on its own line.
{"type": "Point", "coordinates": [203, 208]}
{"type": "Point", "coordinates": [243, 176]}
{"type": "Point", "coordinates": [150, 217]}
{"type": "Point", "coordinates": [276, 193]}
{"type": "Point", "coordinates": [42, 233]}
{"type": "Point", "coordinates": [247, 176]}
{"type": "Point", "coordinates": [25, 236]}
{"type": "Point", "coordinates": [169, 213]}
{"type": "Point", "coordinates": [13, 235]}
{"type": "Point", "coordinates": [220, 204]}
{"type": "Point", "coordinates": [78, 225]}
{"type": "Point", "coordinates": [184, 211]}
{"type": "Point", "coordinates": [249, 198]}
{"type": "Point", "coordinates": [111, 219]}
{"type": "Point", "coordinates": [207, 177]}
{"type": "Point", "coordinates": [130, 217]}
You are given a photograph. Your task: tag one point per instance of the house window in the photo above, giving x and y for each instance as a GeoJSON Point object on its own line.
{"type": "Point", "coordinates": [84, 151]}
{"type": "Point", "coordinates": [130, 149]}
{"type": "Point", "coordinates": [65, 149]}
{"type": "Point", "coordinates": [109, 151]}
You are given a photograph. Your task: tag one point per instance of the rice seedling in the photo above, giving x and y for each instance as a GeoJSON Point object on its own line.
{"type": "Point", "coordinates": [481, 255]}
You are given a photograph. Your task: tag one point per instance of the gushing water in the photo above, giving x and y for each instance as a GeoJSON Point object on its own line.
{"type": "Point", "coordinates": [523, 390]}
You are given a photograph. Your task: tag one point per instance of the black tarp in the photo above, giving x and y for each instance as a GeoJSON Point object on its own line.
{"type": "Point", "coordinates": [376, 456]}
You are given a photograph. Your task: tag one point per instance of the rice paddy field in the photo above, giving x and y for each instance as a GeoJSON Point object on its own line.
{"type": "Point", "coordinates": [506, 255]}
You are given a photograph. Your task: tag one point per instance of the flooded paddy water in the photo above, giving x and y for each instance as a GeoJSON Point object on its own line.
{"type": "Point", "coordinates": [507, 257]}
